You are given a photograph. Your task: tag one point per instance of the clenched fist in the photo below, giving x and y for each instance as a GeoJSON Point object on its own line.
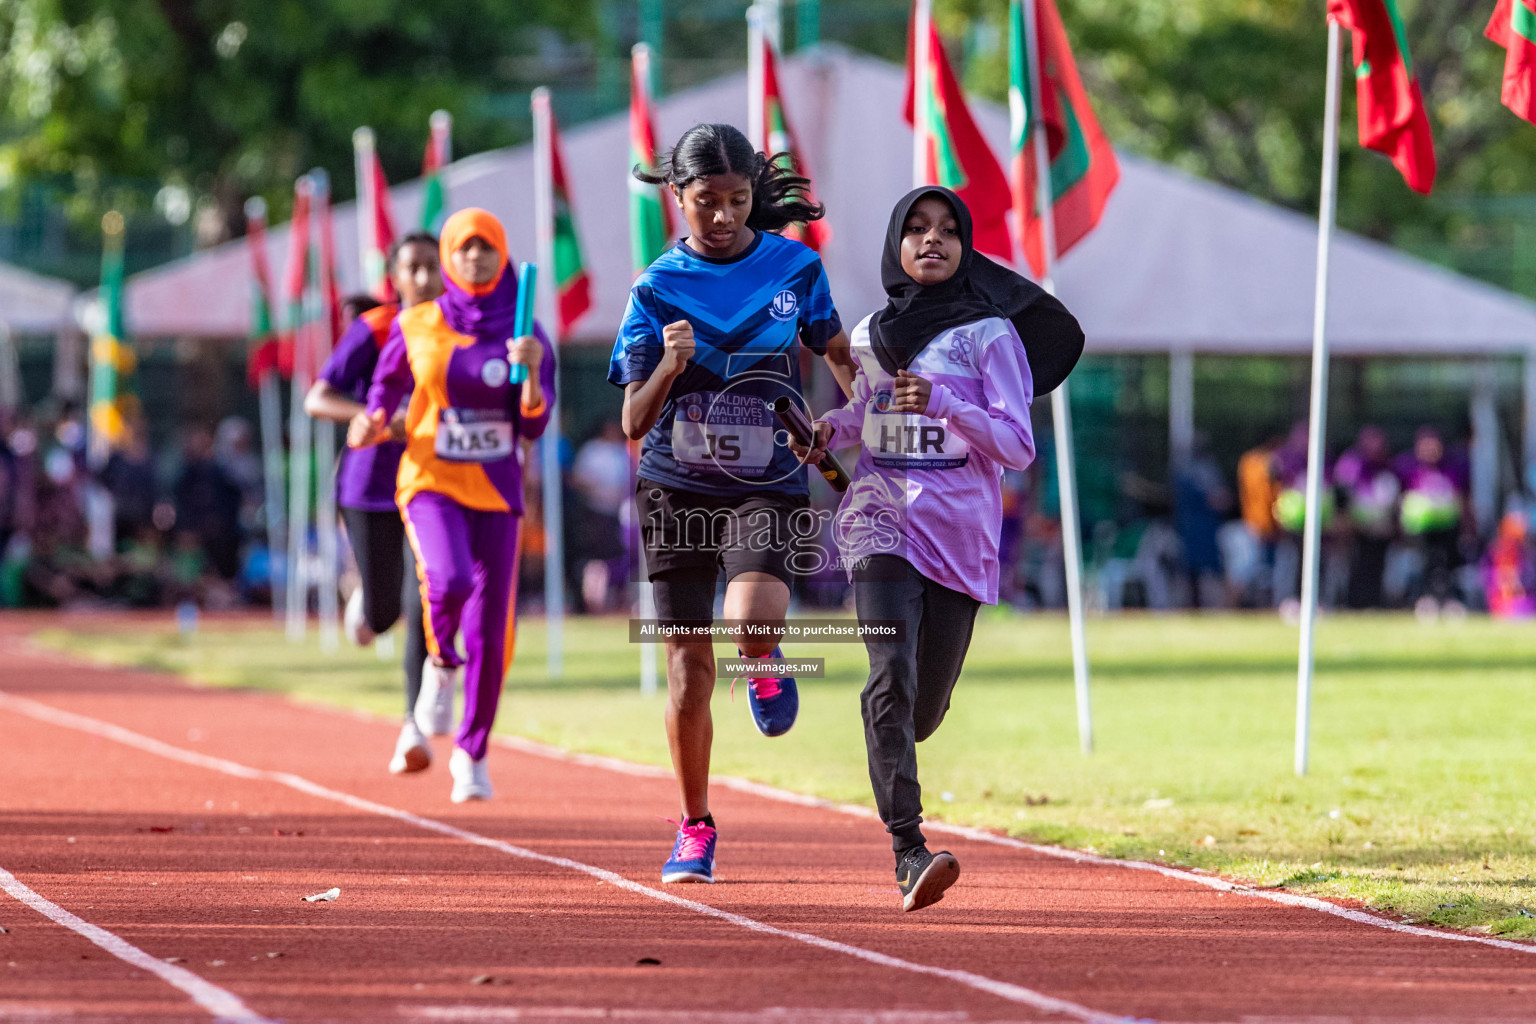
{"type": "Point", "coordinates": [678, 343]}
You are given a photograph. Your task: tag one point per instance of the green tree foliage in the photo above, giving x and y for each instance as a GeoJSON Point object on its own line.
{"type": "Point", "coordinates": [227, 98]}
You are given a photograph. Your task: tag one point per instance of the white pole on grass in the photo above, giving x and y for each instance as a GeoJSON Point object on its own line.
{"type": "Point", "coordinates": [271, 418]}
{"type": "Point", "coordinates": [300, 449]}
{"type": "Point", "coordinates": [1318, 426]}
{"type": "Point", "coordinates": [549, 445]}
{"type": "Point", "coordinates": [1061, 408]}
{"type": "Point", "coordinates": [327, 551]}
{"type": "Point", "coordinates": [364, 152]}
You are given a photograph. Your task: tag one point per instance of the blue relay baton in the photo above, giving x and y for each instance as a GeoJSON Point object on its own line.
{"type": "Point", "coordinates": [527, 282]}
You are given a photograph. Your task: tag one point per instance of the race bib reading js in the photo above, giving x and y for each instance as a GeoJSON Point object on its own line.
{"type": "Point", "coordinates": [723, 432]}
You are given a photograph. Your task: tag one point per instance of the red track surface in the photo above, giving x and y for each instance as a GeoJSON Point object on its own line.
{"type": "Point", "coordinates": [186, 861]}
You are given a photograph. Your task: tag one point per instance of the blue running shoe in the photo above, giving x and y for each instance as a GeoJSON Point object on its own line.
{"type": "Point", "coordinates": [693, 855]}
{"type": "Point", "coordinates": [775, 701]}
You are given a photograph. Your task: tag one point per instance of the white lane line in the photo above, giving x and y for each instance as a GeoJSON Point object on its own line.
{"type": "Point", "coordinates": [225, 1006]}
{"type": "Point", "coordinates": [773, 1015]}
{"type": "Point", "coordinates": [981, 836]}
{"type": "Point", "coordinates": [107, 730]}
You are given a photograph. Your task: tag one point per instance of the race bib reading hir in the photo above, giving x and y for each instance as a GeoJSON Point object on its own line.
{"type": "Point", "coordinates": [910, 440]}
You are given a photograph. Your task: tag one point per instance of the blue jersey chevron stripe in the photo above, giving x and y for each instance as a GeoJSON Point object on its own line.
{"type": "Point", "coordinates": [750, 315]}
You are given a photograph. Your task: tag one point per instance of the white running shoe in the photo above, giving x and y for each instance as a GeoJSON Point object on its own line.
{"type": "Point", "coordinates": [434, 705]}
{"type": "Point", "coordinates": [470, 779]}
{"type": "Point", "coordinates": [412, 754]}
{"type": "Point", "coordinates": [355, 623]}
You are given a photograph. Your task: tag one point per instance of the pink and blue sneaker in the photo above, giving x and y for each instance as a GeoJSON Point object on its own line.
{"type": "Point", "coordinates": [775, 700]}
{"type": "Point", "coordinates": [693, 855]}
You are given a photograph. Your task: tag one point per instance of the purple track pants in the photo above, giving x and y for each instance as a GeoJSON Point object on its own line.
{"type": "Point", "coordinates": [467, 562]}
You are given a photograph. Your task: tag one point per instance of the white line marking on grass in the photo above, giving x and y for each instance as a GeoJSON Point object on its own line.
{"type": "Point", "coordinates": [106, 730]}
{"type": "Point", "coordinates": [1289, 899]}
{"type": "Point", "coordinates": [225, 1006]}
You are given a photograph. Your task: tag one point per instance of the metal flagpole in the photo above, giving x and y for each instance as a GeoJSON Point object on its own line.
{"type": "Point", "coordinates": [1061, 406]}
{"type": "Point", "coordinates": [363, 155]}
{"type": "Point", "coordinates": [271, 413]}
{"type": "Point", "coordinates": [922, 17]}
{"type": "Point", "coordinates": [757, 132]}
{"type": "Point", "coordinates": [549, 445]}
{"type": "Point", "coordinates": [300, 448]}
{"type": "Point", "coordinates": [327, 547]}
{"type": "Point", "coordinates": [1318, 427]}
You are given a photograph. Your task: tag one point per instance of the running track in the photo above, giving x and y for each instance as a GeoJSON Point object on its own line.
{"type": "Point", "coordinates": [156, 838]}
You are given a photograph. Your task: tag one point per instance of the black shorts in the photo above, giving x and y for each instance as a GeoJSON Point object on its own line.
{"type": "Point", "coordinates": [689, 538]}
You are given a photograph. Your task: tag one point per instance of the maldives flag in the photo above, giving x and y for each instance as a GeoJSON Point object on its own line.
{"type": "Point", "coordinates": [1392, 116]}
{"type": "Point", "coordinates": [330, 288]}
{"type": "Point", "coordinates": [1513, 26]}
{"type": "Point", "coordinates": [573, 288]}
{"type": "Point", "coordinates": [293, 285]}
{"type": "Point", "coordinates": [779, 141]}
{"type": "Point", "coordinates": [261, 352]}
{"type": "Point", "coordinates": [1083, 166]}
{"type": "Point", "coordinates": [650, 206]}
{"type": "Point", "coordinates": [954, 153]}
{"type": "Point", "coordinates": [377, 226]}
{"type": "Point", "coordinates": [434, 201]}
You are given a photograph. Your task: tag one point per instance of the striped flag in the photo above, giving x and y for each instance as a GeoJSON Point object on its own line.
{"type": "Point", "coordinates": [1513, 26]}
{"type": "Point", "coordinates": [111, 357]}
{"type": "Point", "coordinates": [650, 207]}
{"type": "Point", "coordinates": [951, 150]}
{"type": "Point", "coordinates": [1083, 169]}
{"type": "Point", "coordinates": [289, 356]}
{"type": "Point", "coordinates": [1392, 115]}
{"type": "Point", "coordinates": [573, 287]}
{"type": "Point", "coordinates": [434, 202]}
{"type": "Point", "coordinates": [330, 288]}
{"type": "Point", "coordinates": [261, 353]}
{"type": "Point", "coordinates": [376, 227]}
{"type": "Point", "coordinates": [779, 141]}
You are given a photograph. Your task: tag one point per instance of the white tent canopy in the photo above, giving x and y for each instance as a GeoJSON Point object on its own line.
{"type": "Point", "coordinates": [1178, 264]}
{"type": "Point", "coordinates": [33, 304]}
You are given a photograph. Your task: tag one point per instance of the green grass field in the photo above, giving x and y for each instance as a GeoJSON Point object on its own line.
{"type": "Point", "coordinates": [1420, 799]}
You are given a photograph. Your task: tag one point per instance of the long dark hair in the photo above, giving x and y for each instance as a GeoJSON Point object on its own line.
{"type": "Point", "coordinates": [780, 197]}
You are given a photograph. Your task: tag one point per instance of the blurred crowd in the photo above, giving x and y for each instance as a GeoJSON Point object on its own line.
{"type": "Point", "coordinates": [185, 523]}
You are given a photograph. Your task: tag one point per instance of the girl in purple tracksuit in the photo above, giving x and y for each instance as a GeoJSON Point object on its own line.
{"type": "Point", "coordinates": [940, 407]}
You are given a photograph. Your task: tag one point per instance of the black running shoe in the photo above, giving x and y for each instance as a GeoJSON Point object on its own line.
{"type": "Point", "coordinates": [923, 876]}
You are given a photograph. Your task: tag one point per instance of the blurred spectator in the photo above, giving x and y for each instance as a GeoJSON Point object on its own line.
{"type": "Point", "coordinates": [1371, 489]}
{"type": "Point", "coordinates": [1256, 494]}
{"type": "Point", "coordinates": [129, 476]}
{"type": "Point", "coordinates": [1509, 571]}
{"type": "Point", "coordinates": [236, 452]}
{"type": "Point", "coordinates": [1201, 500]}
{"type": "Point", "coordinates": [602, 482]}
{"type": "Point", "coordinates": [1290, 475]}
{"type": "Point", "coordinates": [1434, 514]}
{"type": "Point", "coordinates": [208, 505]}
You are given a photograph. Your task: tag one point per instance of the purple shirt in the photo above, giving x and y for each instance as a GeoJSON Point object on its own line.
{"type": "Point", "coordinates": [366, 477]}
{"type": "Point", "coordinates": [927, 487]}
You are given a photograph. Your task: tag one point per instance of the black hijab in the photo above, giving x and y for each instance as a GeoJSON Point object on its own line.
{"type": "Point", "coordinates": [915, 314]}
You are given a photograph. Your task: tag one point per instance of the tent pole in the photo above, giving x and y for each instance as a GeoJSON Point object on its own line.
{"type": "Point", "coordinates": [1181, 407]}
{"type": "Point", "coordinates": [1485, 447]}
{"type": "Point", "coordinates": [1317, 432]}
{"type": "Point", "coordinates": [1529, 388]}
{"type": "Point", "coordinates": [549, 444]}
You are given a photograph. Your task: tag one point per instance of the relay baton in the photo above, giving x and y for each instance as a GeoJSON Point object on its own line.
{"type": "Point", "coordinates": [527, 281]}
{"type": "Point", "coordinates": [800, 429]}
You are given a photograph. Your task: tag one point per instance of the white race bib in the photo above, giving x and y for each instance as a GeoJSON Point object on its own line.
{"type": "Point", "coordinates": [910, 440]}
{"type": "Point", "coordinates": [473, 435]}
{"type": "Point", "coordinates": [723, 432]}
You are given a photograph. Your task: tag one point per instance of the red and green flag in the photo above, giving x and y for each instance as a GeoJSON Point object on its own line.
{"type": "Point", "coordinates": [261, 352]}
{"type": "Point", "coordinates": [573, 288]}
{"type": "Point", "coordinates": [1083, 169]}
{"type": "Point", "coordinates": [650, 209]}
{"type": "Point", "coordinates": [434, 197]}
{"type": "Point", "coordinates": [111, 357]}
{"type": "Point", "coordinates": [376, 227]}
{"type": "Point", "coordinates": [779, 141]}
{"type": "Point", "coordinates": [330, 287]}
{"type": "Point", "coordinates": [951, 150]}
{"type": "Point", "coordinates": [289, 356]}
{"type": "Point", "coordinates": [1513, 26]}
{"type": "Point", "coordinates": [1392, 114]}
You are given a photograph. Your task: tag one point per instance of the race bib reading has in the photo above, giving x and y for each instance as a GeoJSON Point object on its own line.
{"type": "Point", "coordinates": [910, 440]}
{"type": "Point", "coordinates": [473, 435]}
{"type": "Point", "coordinates": [723, 432]}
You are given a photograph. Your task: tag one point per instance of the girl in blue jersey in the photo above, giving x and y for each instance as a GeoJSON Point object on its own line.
{"type": "Point", "coordinates": [711, 338]}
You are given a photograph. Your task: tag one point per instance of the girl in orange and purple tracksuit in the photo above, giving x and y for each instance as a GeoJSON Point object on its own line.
{"type": "Point", "coordinates": [460, 486]}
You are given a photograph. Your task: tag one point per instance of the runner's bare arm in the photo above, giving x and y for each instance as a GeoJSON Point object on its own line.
{"type": "Point", "coordinates": [643, 399]}
{"type": "Point", "coordinates": [325, 402]}
{"type": "Point", "coordinates": [839, 357]}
